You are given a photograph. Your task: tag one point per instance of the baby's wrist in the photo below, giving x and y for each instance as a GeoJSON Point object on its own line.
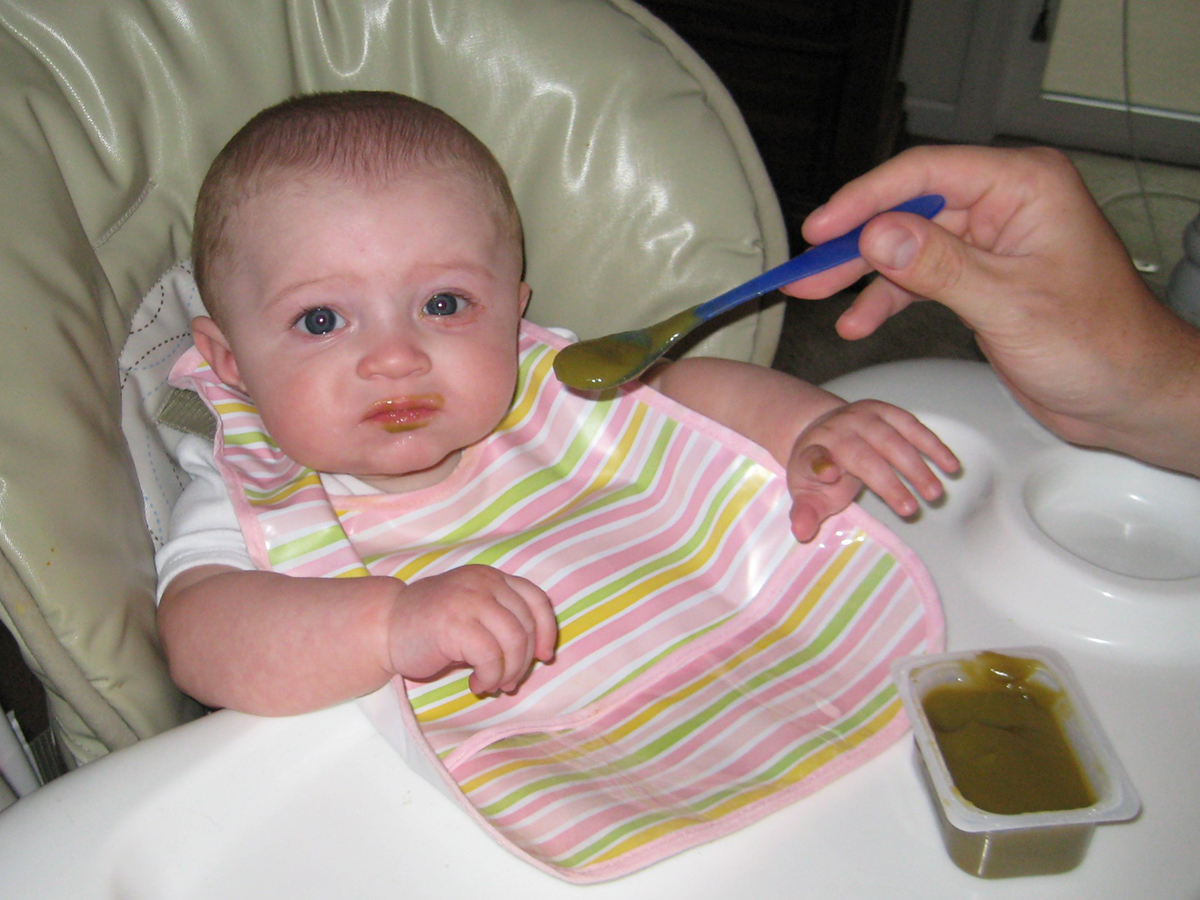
{"type": "Point", "coordinates": [828, 406]}
{"type": "Point", "coordinates": [398, 623]}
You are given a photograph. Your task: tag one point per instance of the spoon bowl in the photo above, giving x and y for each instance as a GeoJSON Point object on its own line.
{"type": "Point", "coordinates": [606, 362]}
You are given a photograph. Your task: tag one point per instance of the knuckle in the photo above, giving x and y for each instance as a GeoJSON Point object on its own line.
{"type": "Point", "coordinates": [941, 266]}
{"type": "Point", "coordinates": [1050, 157]}
{"type": "Point", "coordinates": [855, 457]}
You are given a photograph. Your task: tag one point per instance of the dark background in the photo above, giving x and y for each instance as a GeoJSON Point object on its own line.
{"type": "Point", "coordinates": [817, 82]}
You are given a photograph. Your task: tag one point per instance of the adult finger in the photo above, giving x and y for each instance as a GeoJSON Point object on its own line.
{"type": "Point", "coordinates": [827, 283]}
{"type": "Point", "coordinates": [874, 305]}
{"type": "Point", "coordinates": [962, 174]}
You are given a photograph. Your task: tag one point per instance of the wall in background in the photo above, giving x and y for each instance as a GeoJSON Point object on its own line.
{"type": "Point", "coordinates": [975, 71]}
{"type": "Point", "coordinates": [1164, 53]}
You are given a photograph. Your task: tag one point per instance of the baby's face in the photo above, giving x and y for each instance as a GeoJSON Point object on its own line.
{"type": "Point", "coordinates": [376, 330]}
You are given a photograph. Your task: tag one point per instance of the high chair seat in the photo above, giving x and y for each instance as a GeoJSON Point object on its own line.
{"type": "Point", "coordinates": [640, 189]}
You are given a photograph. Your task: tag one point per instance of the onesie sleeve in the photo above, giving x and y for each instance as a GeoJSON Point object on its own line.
{"type": "Point", "coordinates": [203, 529]}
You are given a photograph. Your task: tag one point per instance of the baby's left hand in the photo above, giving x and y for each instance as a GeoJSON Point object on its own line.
{"type": "Point", "coordinates": [866, 442]}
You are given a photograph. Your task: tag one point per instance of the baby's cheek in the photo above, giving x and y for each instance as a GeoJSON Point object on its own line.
{"type": "Point", "coordinates": [305, 445]}
{"type": "Point", "coordinates": [496, 393]}
{"type": "Point", "coordinates": [299, 421]}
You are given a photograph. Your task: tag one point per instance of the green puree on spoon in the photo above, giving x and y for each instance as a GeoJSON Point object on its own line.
{"type": "Point", "coordinates": [609, 361]}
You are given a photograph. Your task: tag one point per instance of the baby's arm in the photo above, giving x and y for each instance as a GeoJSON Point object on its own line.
{"type": "Point", "coordinates": [797, 422]}
{"type": "Point", "coordinates": [272, 644]}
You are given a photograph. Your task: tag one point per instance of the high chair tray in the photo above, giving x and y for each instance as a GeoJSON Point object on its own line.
{"type": "Point", "coordinates": [321, 805]}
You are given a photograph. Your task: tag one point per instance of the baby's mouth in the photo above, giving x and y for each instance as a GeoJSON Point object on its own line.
{"type": "Point", "coordinates": [405, 413]}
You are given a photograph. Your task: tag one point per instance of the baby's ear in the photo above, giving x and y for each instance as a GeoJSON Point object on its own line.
{"type": "Point", "coordinates": [523, 296]}
{"type": "Point", "coordinates": [215, 349]}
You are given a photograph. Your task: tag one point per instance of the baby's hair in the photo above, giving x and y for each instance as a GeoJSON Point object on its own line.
{"type": "Point", "coordinates": [368, 138]}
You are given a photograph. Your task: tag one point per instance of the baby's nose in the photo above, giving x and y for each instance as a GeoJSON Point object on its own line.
{"type": "Point", "coordinates": [392, 354]}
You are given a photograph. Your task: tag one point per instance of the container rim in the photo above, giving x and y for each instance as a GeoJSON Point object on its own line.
{"type": "Point", "coordinates": [1118, 802]}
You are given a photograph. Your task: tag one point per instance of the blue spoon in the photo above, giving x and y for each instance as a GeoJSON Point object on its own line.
{"type": "Point", "coordinates": [606, 362]}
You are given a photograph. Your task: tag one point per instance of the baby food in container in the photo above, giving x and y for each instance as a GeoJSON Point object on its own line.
{"type": "Point", "coordinates": [1015, 762]}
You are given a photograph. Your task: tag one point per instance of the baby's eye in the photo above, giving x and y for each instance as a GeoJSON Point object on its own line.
{"type": "Point", "coordinates": [319, 320]}
{"type": "Point", "coordinates": [444, 305]}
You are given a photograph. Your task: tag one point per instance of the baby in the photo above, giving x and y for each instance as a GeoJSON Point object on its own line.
{"type": "Point", "coordinates": [360, 255]}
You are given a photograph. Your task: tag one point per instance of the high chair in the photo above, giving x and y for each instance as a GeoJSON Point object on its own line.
{"type": "Point", "coordinates": [640, 188]}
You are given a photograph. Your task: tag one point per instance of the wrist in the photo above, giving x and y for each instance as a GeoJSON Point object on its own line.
{"type": "Point", "coordinates": [820, 410]}
{"type": "Point", "coordinates": [1161, 419]}
{"type": "Point", "coordinates": [391, 610]}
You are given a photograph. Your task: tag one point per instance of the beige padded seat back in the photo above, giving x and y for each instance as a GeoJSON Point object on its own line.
{"type": "Point", "coordinates": [640, 190]}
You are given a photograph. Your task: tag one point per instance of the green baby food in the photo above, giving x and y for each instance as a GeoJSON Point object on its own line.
{"type": "Point", "coordinates": [1002, 742]}
{"type": "Point", "coordinates": [606, 362]}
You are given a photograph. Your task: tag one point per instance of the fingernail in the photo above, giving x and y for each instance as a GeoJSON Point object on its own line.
{"type": "Point", "coordinates": [822, 464]}
{"type": "Point", "coordinates": [894, 248]}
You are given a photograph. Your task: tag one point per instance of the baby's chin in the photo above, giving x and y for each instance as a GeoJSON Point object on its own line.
{"type": "Point", "coordinates": [414, 480]}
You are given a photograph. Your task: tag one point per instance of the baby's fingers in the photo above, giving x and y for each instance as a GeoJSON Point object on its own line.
{"type": "Point", "coordinates": [916, 433]}
{"type": "Point", "coordinates": [905, 443]}
{"type": "Point", "coordinates": [523, 625]}
{"type": "Point", "coordinates": [819, 488]}
{"type": "Point", "coordinates": [878, 471]}
{"type": "Point", "coordinates": [808, 512]}
{"type": "Point", "coordinates": [497, 644]}
{"type": "Point", "coordinates": [537, 606]}
{"type": "Point", "coordinates": [812, 465]}
{"type": "Point", "coordinates": [486, 657]}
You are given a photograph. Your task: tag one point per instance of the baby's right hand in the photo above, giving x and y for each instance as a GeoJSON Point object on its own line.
{"type": "Point", "coordinates": [475, 616]}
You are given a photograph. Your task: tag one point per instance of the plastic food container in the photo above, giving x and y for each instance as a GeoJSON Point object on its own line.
{"type": "Point", "coordinates": [999, 845]}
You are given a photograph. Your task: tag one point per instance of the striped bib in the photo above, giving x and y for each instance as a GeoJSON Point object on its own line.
{"type": "Point", "coordinates": [710, 669]}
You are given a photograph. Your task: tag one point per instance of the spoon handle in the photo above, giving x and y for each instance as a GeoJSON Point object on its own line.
{"type": "Point", "coordinates": [810, 262]}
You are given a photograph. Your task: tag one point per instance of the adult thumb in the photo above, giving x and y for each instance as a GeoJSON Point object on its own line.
{"type": "Point", "coordinates": [921, 257]}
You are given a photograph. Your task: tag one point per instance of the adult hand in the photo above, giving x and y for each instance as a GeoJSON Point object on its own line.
{"type": "Point", "coordinates": [1028, 261]}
